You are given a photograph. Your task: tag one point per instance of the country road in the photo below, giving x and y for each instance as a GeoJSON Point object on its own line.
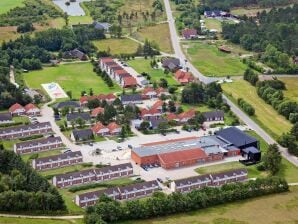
{"type": "Point", "coordinates": [180, 54]}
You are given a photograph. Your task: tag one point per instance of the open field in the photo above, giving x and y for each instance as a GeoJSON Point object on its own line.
{"type": "Point", "coordinates": [213, 24]}
{"type": "Point", "coordinates": [62, 170]}
{"type": "Point", "coordinates": [143, 65]}
{"type": "Point", "coordinates": [26, 157]}
{"type": "Point", "coordinates": [160, 34]}
{"type": "Point", "coordinates": [277, 208]}
{"type": "Point", "coordinates": [38, 221]}
{"type": "Point", "coordinates": [212, 62]}
{"type": "Point", "coordinates": [292, 88]}
{"type": "Point", "coordinates": [74, 20]}
{"type": "Point", "coordinates": [6, 5]}
{"type": "Point", "coordinates": [71, 77]}
{"type": "Point", "coordinates": [265, 115]}
{"type": "Point", "coordinates": [117, 46]}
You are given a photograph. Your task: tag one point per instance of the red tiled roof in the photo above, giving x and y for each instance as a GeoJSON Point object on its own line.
{"type": "Point", "coordinates": [187, 114]}
{"type": "Point", "coordinates": [152, 111]}
{"type": "Point", "coordinates": [97, 127]}
{"type": "Point", "coordinates": [130, 81]}
{"type": "Point", "coordinates": [110, 96]}
{"type": "Point", "coordinates": [30, 106]}
{"type": "Point", "coordinates": [106, 60]}
{"type": "Point", "coordinates": [184, 155]}
{"type": "Point", "coordinates": [112, 126]}
{"type": "Point", "coordinates": [157, 104]}
{"type": "Point", "coordinates": [183, 76]}
{"type": "Point", "coordinates": [161, 90]}
{"type": "Point", "coordinates": [169, 141]}
{"type": "Point", "coordinates": [16, 106]}
{"type": "Point", "coordinates": [189, 32]}
{"type": "Point", "coordinates": [148, 90]}
{"type": "Point", "coordinates": [96, 111]}
{"type": "Point", "coordinates": [172, 116]}
{"type": "Point", "coordinates": [119, 72]}
{"type": "Point", "coordinates": [84, 99]}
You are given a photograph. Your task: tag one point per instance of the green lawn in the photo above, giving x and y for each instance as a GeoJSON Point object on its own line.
{"type": "Point", "coordinates": [117, 46]}
{"type": "Point", "coordinates": [292, 88]}
{"type": "Point", "coordinates": [74, 20]}
{"type": "Point", "coordinates": [39, 221]}
{"type": "Point", "coordinates": [212, 62]}
{"type": "Point", "coordinates": [213, 24]}
{"type": "Point", "coordinates": [276, 208]}
{"type": "Point", "coordinates": [6, 5]}
{"type": "Point", "coordinates": [265, 115]}
{"type": "Point", "coordinates": [143, 65]}
{"type": "Point", "coordinates": [62, 170]}
{"type": "Point", "coordinates": [71, 77]}
{"type": "Point", "coordinates": [26, 157]}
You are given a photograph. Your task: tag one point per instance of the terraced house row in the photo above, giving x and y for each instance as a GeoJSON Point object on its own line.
{"type": "Point", "coordinates": [92, 175]}
{"type": "Point", "coordinates": [118, 193]}
{"type": "Point", "coordinates": [117, 72]}
{"type": "Point", "coordinates": [57, 161]}
{"type": "Point", "coordinates": [25, 131]}
{"type": "Point", "coordinates": [39, 145]}
{"type": "Point", "coordinates": [209, 180]}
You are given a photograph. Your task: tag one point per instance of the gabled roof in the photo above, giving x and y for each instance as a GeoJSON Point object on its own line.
{"type": "Point", "coordinates": [133, 97]}
{"type": "Point", "coordinates": [229, 173]}
{"type": "Point", "coordinates": [30, 106]}
{"type": "Point", "coordinates": [37, 126]}
{"type": "Point", "coordinates": [187, 114]}
{"type": "Point", "coordinates": [106, 59]}
{"type": "Point", "coordinates": [190, 180]}
{"type": "Point", "coordinates": [15, 107]}
{"type": "Point", "coordinates": [96, 111]}
{"type": "Point", "coordinates": [39, 142]}
{"type": "Point", "coordinates": [98, 126]}
{"type": "Point", "coordinates": [213, 114]}
{"type": "Point", "coordinates": [138, 186]}
{"type": "Point", "coordinates": [149, 90]}
{"type": "Point", "coordinates": [73, 104]}
{"type": "Point", "coordinates": [129, 81]}
{"type": "Point", "coordinates": [74, 116]}
{"type": "Point", "coordinates": [189, 32]}
{"type": "Point", "coordinates": [157, 104]}
{"type": "Point", "coordinates": [5, 117]}
{"type": "Point", "coordinates": [59, 157]}
{"type": "Point", "coordinates": [236, 136]}
{"type": "Point", "coordinates": [82, 134]}
{"type": "Point", "coordinates": [113, 126]}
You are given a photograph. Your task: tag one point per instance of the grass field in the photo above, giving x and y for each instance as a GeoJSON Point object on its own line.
{"type": "Point", "coordinates": [42, 154]}
{"type": "Point", "coordinates": [74, 20]}
{"type": "Point", "coordinates": [292, 88]}
{"type": "Point", "coordinates": [213, 24]}
{"type": "Point", "coordinates": [6, 5]}
{"type": "Point", "coordinates": [143, 65]}
{"type": "Point", "coordinates": [38, 221]}
{"type": "Point", "coordinates": [277, 208]}
{"type": "Point", "coordinates": [273, 123]}
{"type": "Point", "coordinates": [65, 169]}
{"type": "Point", "coordinates": [160, 34]}
{"type": "Point", "coordinates": [71, 77]}
{"type": "Point", "coordinates": [212, 62]}
{"type": "Point", "coordinates": [117, 46]}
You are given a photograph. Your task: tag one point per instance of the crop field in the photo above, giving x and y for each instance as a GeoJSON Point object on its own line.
{"type": "Point", "coordinates": [71, 77]}
{"type": "Point", "coordinates": [117, 46]}
{"type": "Point", "coordinates": [143, 65]}
{"type": "Point", "coordinates": [265, 115]}
{"type": "Point", "coordinates": [160, 34]}
{"type": "Point", "coordinates": [6, 5]}
{"type": "Point", "coordinates": [292, 88]}
{"type": "Point", "coordinates": [277, 208]}
{"type": "Point", "coordinates": [212, 62]}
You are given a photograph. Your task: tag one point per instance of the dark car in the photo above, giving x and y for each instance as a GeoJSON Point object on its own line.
{"type": "Point", "coordinates": [159, 180]}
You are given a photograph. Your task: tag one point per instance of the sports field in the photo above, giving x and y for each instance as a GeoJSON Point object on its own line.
{"type": "Point", "coordinates": [117, 46]}
{"type": "Point", "coordinates": [71, 77]}
{"type": "Point", "coordinates": [143, 65]}
{"type": "Point", "coordinates": [6, 5]}
{"type": "Point", "coordinates": [212, 62]}
{"type": "Point", "coordinates": [273, 123]}
{"type": "Point", "coordinates": [292, 88]}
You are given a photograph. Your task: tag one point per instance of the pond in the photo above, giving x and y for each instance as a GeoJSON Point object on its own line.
{"type": "Point", "coordinates": [74, 9]}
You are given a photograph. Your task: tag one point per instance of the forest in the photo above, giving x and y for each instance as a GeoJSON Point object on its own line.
{"type": "Point", "coordinates": [23, 189]}
{"type": "Point", "coordinates": [33, 11]}
{"type": "Point", "coordinates": [275, 33]}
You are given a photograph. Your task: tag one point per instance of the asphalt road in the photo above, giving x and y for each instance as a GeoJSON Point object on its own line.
{"type": "Point", "coordinates": [180, 54]}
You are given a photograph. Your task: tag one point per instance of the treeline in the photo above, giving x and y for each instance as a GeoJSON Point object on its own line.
{"type": "Point", "coordinates": [251, 77]}
{"type": "Point", "coordinates": [107, 210]}
{"type": "Point", "coordinates": [246, 107]}
{"type": "Point", "coordinates": [23, 189]}
{"type": "Point", "coordinates": [290, 140]}
{"type": "Point", "coordinates": [228, 4]}
{"type": "Point", "coordinates": [30, 52]}
{"type": "Point", "coordinates": [271, 92]}
{"type": "Point", "coordinates": [106, 78]}
{"type": "Point", "coordinates": [275, 33]}
{"type": "Point", "coordinates": [32, 11]}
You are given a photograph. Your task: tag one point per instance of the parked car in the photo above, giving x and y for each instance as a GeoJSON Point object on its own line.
{"type": "Point", "coordinates": [67, 151]}
{"type": "Point", "coordinates": [129, 146]}
{"type": "Point", "coordinates": [159, 180]}
{"type": "Point", "coordinates": [90, 143]}
{"type": "Point", "coordinates": [119, 147]}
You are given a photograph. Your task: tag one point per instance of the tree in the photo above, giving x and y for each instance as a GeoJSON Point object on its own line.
{"type": "Point", "coordinates": [66, 18]}
{"type": "Point", "coordinates": [294, 130]}
{"type": "Point", "coordinates": [69, 94]}
{"type": "Point", "coordinates": [25, 27]}
{"type": "Point", "coordinates": [145, 125]}
{"type": "Point", "coordinates": [272, 159]}
{"type": "Point", "coordinates": [81, 122]}
{"type": "Point", "coordinates": [123, 133]}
